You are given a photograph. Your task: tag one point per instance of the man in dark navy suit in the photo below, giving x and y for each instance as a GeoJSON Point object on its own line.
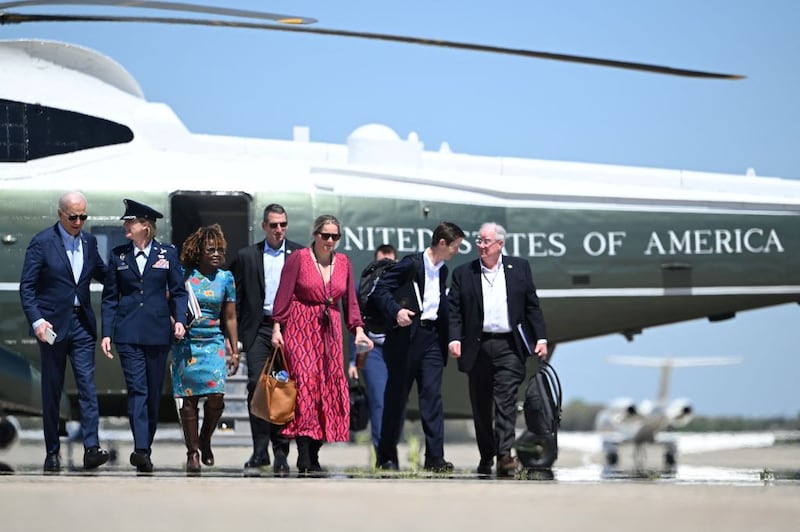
{"type": "Point", "coordinates": [495, 319]}
{"type": "Point", "coordinates": [257, 271]}
{"type": "Point", "coordinates": [412, 295]}
{"type": "Point", "coordinates": [144, 307]}
{"type": "Point", "coordinates": [60, 263]}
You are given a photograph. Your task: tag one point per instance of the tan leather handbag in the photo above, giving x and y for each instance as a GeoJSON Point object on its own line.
{"type": "Point", "coordinates": [274, 400]}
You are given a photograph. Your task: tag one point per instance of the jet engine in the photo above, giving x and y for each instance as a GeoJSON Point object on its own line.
{"type": "Point", "coordinates": [679, 412]}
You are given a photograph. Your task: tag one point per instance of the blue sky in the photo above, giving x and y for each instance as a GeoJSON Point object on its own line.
{"type": "Point", "coordinates": [261, 84]}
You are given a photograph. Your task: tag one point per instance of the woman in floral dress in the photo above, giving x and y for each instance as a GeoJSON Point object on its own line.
{"type": "Point", "coordinates": [308, 325]}
{"type": "Point", "coordinates": [199, 367]}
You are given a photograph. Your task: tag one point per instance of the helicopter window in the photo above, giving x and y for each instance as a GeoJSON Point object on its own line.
{"type": "Point", "coordinates": [30, 131]}
{"type": "Point", "coordinates": [108, 237]}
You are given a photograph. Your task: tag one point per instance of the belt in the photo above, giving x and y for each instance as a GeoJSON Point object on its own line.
{"type": "Point", "coordinates": [495, 336]}
{"type": "Point", "coordinates": [428, 324]}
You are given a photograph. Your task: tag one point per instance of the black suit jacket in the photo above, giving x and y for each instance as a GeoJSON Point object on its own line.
{"type": "Point", "coordinates": [466, 308]}
{"type": "Point", "coordinates": [395, 290]}
{"type": "Point", "coordinates": [248, 272]}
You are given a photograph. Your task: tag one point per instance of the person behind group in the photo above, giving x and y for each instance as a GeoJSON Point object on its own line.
{"type": "Point", "coordinates": [60, 263]}
{"type": "Point", "coordinates": [412, 293]}
{"type": "Point", "coordinates": [491, 299]}
{"type": "Point", "coordinates": [257, 270]}
{"type": "Point", "coordinates": [308, 325]}
{"type": "Point", "coordinates": [143, 288]}
{"type": "Point", "coordinates": [375, 367]}
{"type": "Point", "coordinates": [199, 367]}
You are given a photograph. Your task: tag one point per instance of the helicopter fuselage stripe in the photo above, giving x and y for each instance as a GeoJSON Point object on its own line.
{"type": "Point", "coordinates": [608, 292]}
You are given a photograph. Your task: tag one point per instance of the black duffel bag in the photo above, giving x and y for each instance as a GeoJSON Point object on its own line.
{"type": "Point", "coordinates": [359, 409]}
{"type": "Point", "coordinates": [537, 447]}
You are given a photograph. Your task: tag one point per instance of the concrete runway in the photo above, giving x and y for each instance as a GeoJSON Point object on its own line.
{"type": "Point", "coordinates": [734, 490]}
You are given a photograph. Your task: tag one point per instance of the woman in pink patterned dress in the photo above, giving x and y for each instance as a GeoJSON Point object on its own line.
{"type": "Point", "coordinates": [308, 325]}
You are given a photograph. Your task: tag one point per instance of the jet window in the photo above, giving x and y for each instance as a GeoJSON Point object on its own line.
{"type": "Point", "coordinates": [31, 131]}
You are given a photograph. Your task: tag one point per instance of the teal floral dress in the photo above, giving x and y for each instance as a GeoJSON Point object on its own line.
{"type": "Point", "coordinates": [198, 361]}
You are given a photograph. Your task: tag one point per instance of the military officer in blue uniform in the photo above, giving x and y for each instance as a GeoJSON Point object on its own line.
{"type": "Point", "coordinates": [143, 290]}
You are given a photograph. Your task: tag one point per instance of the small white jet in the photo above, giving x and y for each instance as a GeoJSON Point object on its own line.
{"type": "Point", "coordinates": [625, 422]}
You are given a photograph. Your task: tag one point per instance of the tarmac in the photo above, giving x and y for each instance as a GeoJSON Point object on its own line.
{"type": "Point", "coordinates": [732, 490]}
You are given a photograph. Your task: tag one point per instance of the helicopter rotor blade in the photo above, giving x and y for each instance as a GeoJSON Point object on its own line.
{"type": "Point", "coordinates": [19, 18]}
{"type": "Point", "coordinates": [167, 6]}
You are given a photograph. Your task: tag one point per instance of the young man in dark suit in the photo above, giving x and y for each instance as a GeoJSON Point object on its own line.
{"type": "Point", "coordinates": [412, 295]}
{"type": "Point", "coordinates": [257, 271]}
{"type": "Point", "coordinates": [60, 263]}
{"type": "Point", "coordinates": [495, 318]}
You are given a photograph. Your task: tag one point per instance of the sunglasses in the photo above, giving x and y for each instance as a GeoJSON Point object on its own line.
{"type": "Point", "coordinates": [211, 251]}
{"type": "Point", "coordinates": [330, 236]}
{"type": "Point", "coordinates": [73, 217]}
{"type": "Point", "coordinates": [274, 225]}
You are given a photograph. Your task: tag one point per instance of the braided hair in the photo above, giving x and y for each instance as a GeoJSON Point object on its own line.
{"type": "Point", "coordinates": [193, 246]}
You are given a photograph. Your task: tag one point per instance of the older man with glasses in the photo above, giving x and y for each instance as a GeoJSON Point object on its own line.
{"type": "Point", "coordinates": [60, 263]}
{"type": "Point", "coordinates": [494, 313]}
{"type": "Point", "coordinates": [257, 272]}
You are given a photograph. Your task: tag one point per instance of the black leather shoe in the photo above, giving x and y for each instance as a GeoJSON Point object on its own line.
{"type": "Point", "coordinates": [94, 457]}
{"type": "Point", "coordinates": [255, 461]}
{"type": "Point", "coordinates": [485, 468]}
{"type": "Point", "coordinates": [281, 466]}
{"type": "Point", "coordinates": [142, 462]}
{"type": "Point", "coordinates": [52, 464]}
{"type": "Point", "coordinates": [438, 465]}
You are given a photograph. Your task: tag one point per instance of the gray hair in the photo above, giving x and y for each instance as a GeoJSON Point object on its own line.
{"type": "Point", "coordinates": [499, 230]}
{"type": "Point", "coordinates": [70, 197]}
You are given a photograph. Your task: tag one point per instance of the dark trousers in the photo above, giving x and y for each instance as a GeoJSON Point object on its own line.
{"type": "Point", "coordinates": [493, 385]}
{"type": "Point", "coordinates": [144, 367]}
{"type": "Point", "coordinates": [78, 345]}
{"type": "Point", "coordinates": [422, 364]}
{"type": "Point", "coordinates": [261, 430]}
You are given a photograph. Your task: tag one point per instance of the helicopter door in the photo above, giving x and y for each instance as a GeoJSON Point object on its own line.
{"type": "Point", "coordinates": [190, 210]}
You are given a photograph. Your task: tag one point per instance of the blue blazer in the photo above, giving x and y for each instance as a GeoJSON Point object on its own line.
{"type": "Point", "coordinates": [47, 287]}
{"type": "Point", "coordinates": [137, 307]}
{"type": "Point", "coordinates": [395, 290]}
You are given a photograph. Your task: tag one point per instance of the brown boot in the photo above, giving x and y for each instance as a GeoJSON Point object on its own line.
{"type": "Point", "coordinates": [212, 412]}
{"type": "Point", "coordinates": [189, 423]}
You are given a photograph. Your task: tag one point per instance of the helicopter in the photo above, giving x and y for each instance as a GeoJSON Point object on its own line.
{"type": "Point", "coordinates": [632, 247]}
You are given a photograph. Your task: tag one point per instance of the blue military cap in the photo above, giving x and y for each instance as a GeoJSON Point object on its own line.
{"type": "Point", "coordinates": [134, 210]}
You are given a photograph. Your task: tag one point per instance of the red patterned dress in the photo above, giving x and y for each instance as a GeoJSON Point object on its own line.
{"type": "Point", "coordinates": [313, 343]}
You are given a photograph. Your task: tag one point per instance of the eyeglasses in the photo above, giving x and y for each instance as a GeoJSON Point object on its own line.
{"type": "Point", "coordinates": [73, 217]}
{"type": "Point", "coordinates": [485, 241]}
{"type": "Point", "coordinates": [274, 225]}
{"type": "Point", "coordinates": [211, 251]}
{"type": "Point", "coordinates": [330, 236]}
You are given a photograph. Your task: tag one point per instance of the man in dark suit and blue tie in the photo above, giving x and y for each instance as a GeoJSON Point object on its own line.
{"type": "Point", "coordinates": [257, 271]}
{"type": "Point", "coordinates": [412, 295]}
{"type": "Point", "coordinates": [495, 318]}
{"type": "Point", "coordinates": [144, 307]}
{"type": "Point", "coordinates": [60, 263]}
